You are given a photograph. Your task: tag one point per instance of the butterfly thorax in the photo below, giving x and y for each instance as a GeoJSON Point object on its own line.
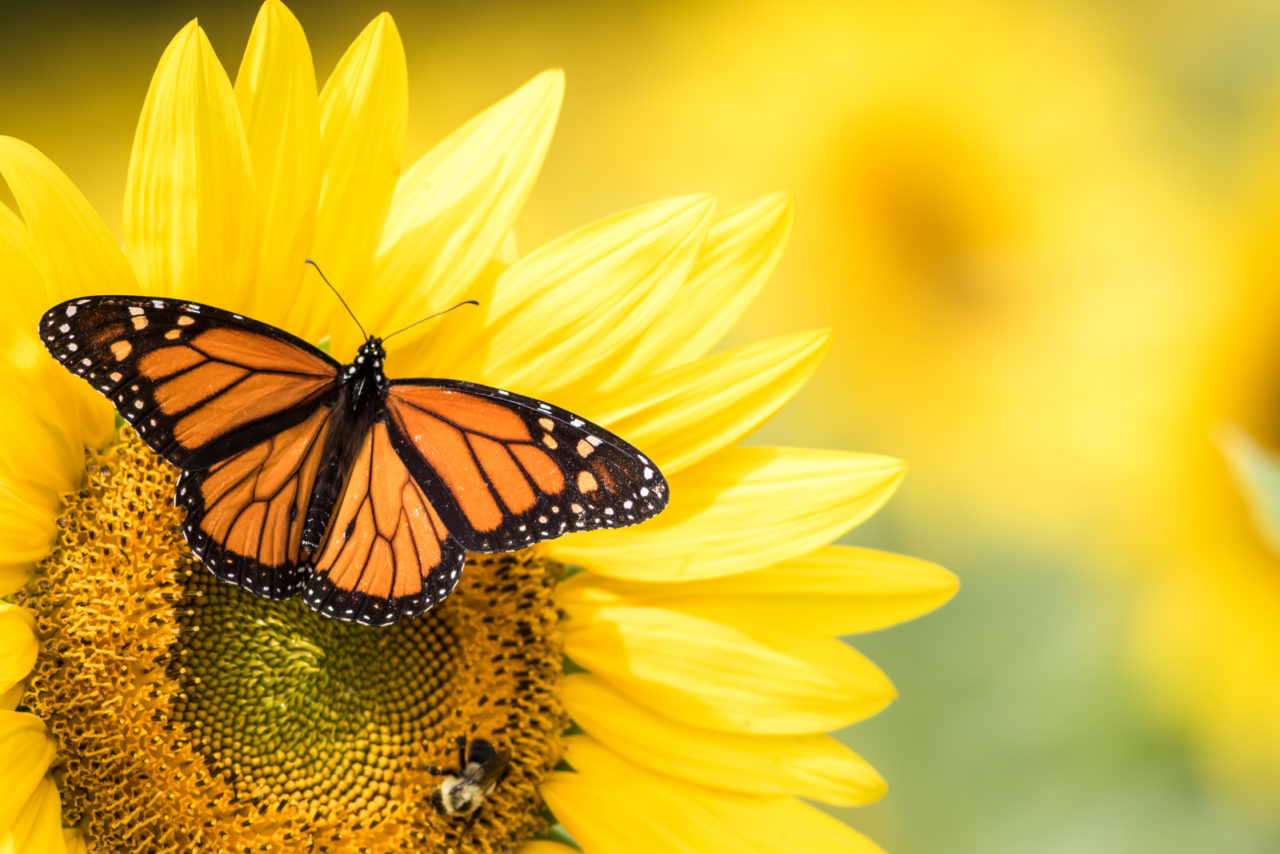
{"type": "Point", "coordinates": [363, 381]}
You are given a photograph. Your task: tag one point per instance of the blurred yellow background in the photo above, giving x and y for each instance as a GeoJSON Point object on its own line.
{"type": "Point", "coordinates": [1047, 236]}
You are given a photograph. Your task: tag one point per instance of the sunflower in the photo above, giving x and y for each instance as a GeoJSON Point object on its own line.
{"type": "Point", "coordinates": [663, 687]}
{"type": "Point", "coordinates": [1206, 628]}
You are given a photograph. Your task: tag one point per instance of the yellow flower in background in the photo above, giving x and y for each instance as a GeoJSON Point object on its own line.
{"type": "Point", "coordinates": [147, 706]}
{"type": "Point", "coordinates": [1208, 627]}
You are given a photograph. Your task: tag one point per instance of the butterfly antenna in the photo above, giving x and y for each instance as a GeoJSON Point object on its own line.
{"type": "Point", "coordinates": [339, 296]}
{"type": "Point", "coordinates": [437, 314]}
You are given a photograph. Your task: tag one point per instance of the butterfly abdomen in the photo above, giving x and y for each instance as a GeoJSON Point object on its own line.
{"type": "Point", "coordinates": [359, 403]}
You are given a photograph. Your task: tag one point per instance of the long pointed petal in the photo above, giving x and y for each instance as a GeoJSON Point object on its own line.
{"type": "Point", "coordinates": [682, 415]}
{"type": "Point", "coordinates": [75, 252]}
{"type": "Point", "coordinates": [364, 109]}
{"type": "Point", "coordinates": [724, 678]}
{"type": "Point", "coordinates": [610, 805]}
{"type": "Point", "coordinates": [454, 208]}
{"type": "Point", "coordinates": [26, 749]}
{"type": "Point", "coordinates": [561, 311]}
{"type": "Point", "coordinates": [60, 249]}
{"type": "Point", "coordinates": [546, 846]}
{"type": "Point", "coordinates": [46, 414]}
{"type": "Point", "coordinates": [17, 645]}
{"type": "Point", "coordinates": [190, 224]}
{"type": "Point", "coordinates": [795, 500]}
{"type": "Point", "coordinates": [832, 591]}
{"type": "Point", "coordinates": [28, 526]}
{"type": "Point", "coordinates": [38, 828]}
{"type": "Point", "coordinates": [276, 92]}
{"type": "Point", "coordinates": [811, 766]}
{"type": "Point", "coordinates": [740, 252]}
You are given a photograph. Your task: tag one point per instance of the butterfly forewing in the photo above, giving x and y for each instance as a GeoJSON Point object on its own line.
{"type": "Point", "coordinates": [506, 471]}
{"type": "Point", "coordinates": [387, 553]}
{"type": "Point", "coordinates": [196, 382]}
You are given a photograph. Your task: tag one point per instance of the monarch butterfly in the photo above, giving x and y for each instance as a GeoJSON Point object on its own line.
{"type": "Point", "coordinates": [300, 474]}
{"type": "Point", "coordinates": [478, 773]}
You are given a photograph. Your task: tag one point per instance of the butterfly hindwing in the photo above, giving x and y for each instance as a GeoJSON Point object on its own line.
{"type": "Point", "coordinates": [245, 513]}
{"type": "Point", "coordinates": [196, 382]}
{"type": "Point", "coordinates": [506, 471]}
{"type": "Point", "coordinates": [386, 553]}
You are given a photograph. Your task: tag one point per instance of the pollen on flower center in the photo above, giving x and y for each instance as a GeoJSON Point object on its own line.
{"type": "Point", "coordinates": [191, 714]}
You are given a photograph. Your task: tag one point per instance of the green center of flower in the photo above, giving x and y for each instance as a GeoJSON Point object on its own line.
{"type": "Point", "coordinates": [194, 715]}
{"type": "Point", "coordinates": [305, 709]}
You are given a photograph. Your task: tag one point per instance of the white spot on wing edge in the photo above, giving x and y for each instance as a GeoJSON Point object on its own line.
{"type": "Point", "coordinates": [71, 311]}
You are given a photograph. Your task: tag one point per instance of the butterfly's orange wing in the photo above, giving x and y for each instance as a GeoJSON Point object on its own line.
{"type": "Point", "coordinates": [198, 384]}
{"type": "Point", "coordinates": [386, 553]}
{"type": "Point", "coordinates": [506, 471]}
{"type": "Point", "coordinates": [367, 511]}
{"type": "Point", "coordinates": [245, 514]}
{"type": "Point", "coordinates": [241, 406]}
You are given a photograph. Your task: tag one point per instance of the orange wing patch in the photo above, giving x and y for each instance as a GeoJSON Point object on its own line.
{"type": "Point", "coordinates": [466, 412]}
{"type": "Point", "coordinates": [246, 513]}
{"type": "Point", "coordinates": [386, 552]}
{"type": "Point", "coordinates": [242, 402]}
{"type": "Point", "coordinates": [256, 352]}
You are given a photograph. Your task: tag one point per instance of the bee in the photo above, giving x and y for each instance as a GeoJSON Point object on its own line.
{"type": "Point", "coordinates": [478, 773]}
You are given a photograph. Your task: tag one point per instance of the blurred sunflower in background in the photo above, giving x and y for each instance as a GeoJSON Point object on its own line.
{"type": "Point", "coordinates": [147, 706]}
{"type": "Point", "coordinates": [1209, 621]}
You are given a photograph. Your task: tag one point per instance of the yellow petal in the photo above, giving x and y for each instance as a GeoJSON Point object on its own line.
{"type": "Point", "coordinates": [364, 108]}
{"type": "Point", "coordinates": [276, 92]}
{"type": "Point", "coordinates": [454, 208]}
{"type": "Point", "coordinates": [834, 590]}
{"type": "Point", "coordinates": [190, 210]}
{"type": "Point", "coordinates": [611, 805]}
{"type": "Point", "coordinates": [738, 510]}
{"type": "Point", "coordinates": [739, 254]}
{"type": "Point", "coordinates": [28, 525]}
{"type": "Point", "coordinates": [26, 749]}
{"type": "Point", "coordinates": [59, 250]}
{"type": "Point", "coordinates": [45, 417]}
{"type": "Point", "coordinates": [811, 766]}
{"type": "Point", "coordinates": [9, 699]}
{"type": "Point", "coordinates": [46, 413]}
{"type": "Point", "coordinates": [707, 674]}
{"type": "Point", "coordinates": [17, 645]}
{"type": "Point", "coordinates": [546, 846]}
{"type": "Point", "coordinates": [74, 840]}
{"type": "Point", "coordinates": [38, 827]}
{"type": "Point", "coordinates": [680, 416]}
{"type": "Point", "coordinates": [74, 250]}
{"type": "Point", "coordinates": [559, 313]}
{"type": "Point", "coordinates": [23, 285]}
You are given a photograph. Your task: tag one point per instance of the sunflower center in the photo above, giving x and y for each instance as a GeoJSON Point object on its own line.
{"type": "Point", "coordinates": [192, 714]}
